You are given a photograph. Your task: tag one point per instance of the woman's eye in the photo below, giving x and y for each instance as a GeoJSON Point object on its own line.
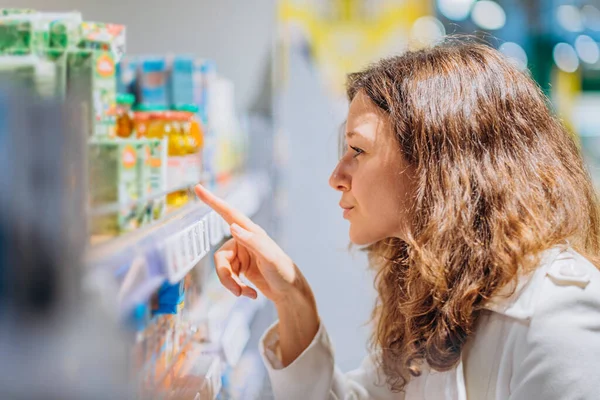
{"type": "Point", "coordinates": [357, 151]}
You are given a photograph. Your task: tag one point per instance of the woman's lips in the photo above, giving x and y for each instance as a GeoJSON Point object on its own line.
{"type": "Point", "coordinates": [347, 212]}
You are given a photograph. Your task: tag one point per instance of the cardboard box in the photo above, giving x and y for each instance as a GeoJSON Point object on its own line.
{"type": "Point", "coordinates": [153, 178]}
{"type": "Point", "coordinates": [152, 82]}
{"type": "Point", "coordinates": [91, 83]}
{"type": "Point", "coordinates": [181, 80]}
{"type": "Point", "coordinates": [115, 171]}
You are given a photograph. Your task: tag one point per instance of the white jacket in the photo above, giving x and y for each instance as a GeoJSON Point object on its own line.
{"type": "Point", "coordinates": [543, 342]}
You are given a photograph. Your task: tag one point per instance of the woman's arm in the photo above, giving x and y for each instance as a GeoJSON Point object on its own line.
{"type": "Point", "coordinates": [298, 321]}
{"type": "Point", "coordinates": [254, 254]}
{"type": "Point", "coordinates": [297, 351]}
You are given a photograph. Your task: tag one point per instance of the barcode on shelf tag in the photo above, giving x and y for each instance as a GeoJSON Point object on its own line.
{"type": "Point", "coordinates": [205, 234]}
{"type": "Point", "coordinates": [182, 253]}
{"type": "Point", "coordinates": [216, 233]}
{"type": "Point", "coordinates": [197, 239]}
{"type": "Point", "coordinates": [192, 252]}
{"type": "Point", "coordinates": [171, 256]}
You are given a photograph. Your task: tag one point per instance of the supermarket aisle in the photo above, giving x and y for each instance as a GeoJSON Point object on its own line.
{"type": "Point", "coordinates": [316, 235]}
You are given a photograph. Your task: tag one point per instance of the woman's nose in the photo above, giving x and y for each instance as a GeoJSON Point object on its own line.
{"type": "Point", "coordinates": [339, 180]}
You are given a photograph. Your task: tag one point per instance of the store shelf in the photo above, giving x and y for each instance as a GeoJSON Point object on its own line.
{"type": "Point", "coordinates": [139, 262]}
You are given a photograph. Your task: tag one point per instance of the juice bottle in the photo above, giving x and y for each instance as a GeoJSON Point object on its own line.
{"type": "Point", "coordinates": [176, 134]}
{"type": "Point", "coordinates": [141, 121]}
{"type": "Point", "coordinates": [191, 126]}
{"type": "Point", "coordinates": [125, 120]}
{"type": "Point", "coordinates": [152, 122]}
{"type": "Point", "coordinates": [194, 141]}
{"type": "Point", "coordinates": [177, 149]}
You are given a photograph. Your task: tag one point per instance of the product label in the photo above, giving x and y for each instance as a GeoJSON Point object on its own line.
{"type": "Point", "coordinates": [105, 66]}
{"type": "Point", "coordinates": [129, 156]}
{"type": "Point", "coordinates": [183, 171]}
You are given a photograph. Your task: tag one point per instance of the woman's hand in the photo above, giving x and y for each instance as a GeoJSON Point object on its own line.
{"type": "Point", "coordinates": [255, 255]}
{"type": "Point", "coordinates": [251, 253]}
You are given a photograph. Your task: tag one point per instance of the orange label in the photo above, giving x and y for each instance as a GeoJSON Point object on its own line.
{"type": "Point", "coordinates": [155, 162]}
{"type": "Point", "coordinates": [105, 66]}
{"type": "Point", "coordinates": [147, 154]}
{"type": "Point", "coordinates": [129, 157]}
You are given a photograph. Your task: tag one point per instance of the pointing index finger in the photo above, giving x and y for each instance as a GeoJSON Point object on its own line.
{"type": "Point", "coordinates": [229, 214]}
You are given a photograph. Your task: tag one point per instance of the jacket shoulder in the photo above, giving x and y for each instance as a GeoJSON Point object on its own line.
{"type": "Point", "coordinates": [570, 284]}
{"type": "Point", "coordinates": [564, 277]}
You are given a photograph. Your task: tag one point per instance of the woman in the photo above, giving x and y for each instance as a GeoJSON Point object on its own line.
{"type": "Point", "coordinates": [480, 219]}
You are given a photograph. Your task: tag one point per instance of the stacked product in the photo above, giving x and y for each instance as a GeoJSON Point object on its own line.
{"type": "Point", "coordinates": [165, 87]}
{"type": "Point", "coordinates": [172, 356]}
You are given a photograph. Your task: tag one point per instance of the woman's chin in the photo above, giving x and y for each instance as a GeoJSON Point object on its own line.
{"type": "Point", "coordinates": [360, 239]}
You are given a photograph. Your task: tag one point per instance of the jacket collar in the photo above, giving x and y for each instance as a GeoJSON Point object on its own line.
{"type": "Point", "coordinates": [521, 303]}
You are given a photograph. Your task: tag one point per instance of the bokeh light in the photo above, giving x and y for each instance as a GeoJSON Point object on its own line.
{"type": "Point", "coordinates": [515, 53]}
{"type": "Point", "coordinates": [587, 49]}
{"type": "Point", "coordinates": [488, 15]}
{"type": "Point", "coordinates": [427, 31]}
{"type": "Point", "coordinates": [569, 17]}
{"type": "Point", "coordinates": [565, 57]}
{"type": "Point", "coordinates": [591, 17]}
{"type": "Point", "coordinates": [456, 10]}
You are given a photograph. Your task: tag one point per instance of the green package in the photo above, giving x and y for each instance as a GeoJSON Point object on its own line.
{"type": "Point", "coordinates": [51, 34]}
{"type": "Point", "coordinates": [17, 11]}
{"type": "Point", "coordinates": [56, 33]}
{"type": "Point", "coordinates": [114, 180]}
{"type": "Point", "coordinates": [16, 36]}
{"type": "Point", "coordinates": [153, 179]}
{"type": "Point", "coordinates": [92, 87]}
{"type": "Point", "coordinates": [43, 35]}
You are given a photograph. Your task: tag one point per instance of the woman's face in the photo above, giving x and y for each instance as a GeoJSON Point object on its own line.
{"type": "Point", "coordinates": [373, 177]}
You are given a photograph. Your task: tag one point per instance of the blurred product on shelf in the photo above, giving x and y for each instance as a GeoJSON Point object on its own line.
{"type": "Point", "coordinates": [34, 33]}
{"type": "Point", "coordinates": [103, 36]}
{"type": "Point", "coordinates": [115, 173]}
{"type": "Point", "coordinates": [170, 299]}
{"type": "Point", "coordinates": [124, 115]}
{"type": "Point", "coordinates": [126, 72]}
{"type": "Point", "coordinates": [222, 119]}
{"type": "Point", "coordinates": [181, 80]}
{"type": "Point", "coordinates": [152, 80]}
{"type": "Point", "coordinates": [122, 172]}
{"type": "Point", "coordinates": [11, 11]}
{"type": "Point", "coordinates": [170, 351]}
{"type": "Point", "coordinates": [33, 47]}
{"type": "Point", "coordinates": [153, 179]}
{"type": "Point", "coordinates": [184, 136]}
{"type": "Point", "coordinates": [91, 81]}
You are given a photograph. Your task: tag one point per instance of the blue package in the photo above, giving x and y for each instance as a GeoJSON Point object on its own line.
{"type": "Point", "coordinates": [181, 81]}
{"type": "Point", "coordinates": [152, 82]}
{"type": "Point", "coordinates": [170, 298]}
{"type": "Point", "coordinates": [126, 75]}
{"type": "Point", "coordinates": [208, 72]}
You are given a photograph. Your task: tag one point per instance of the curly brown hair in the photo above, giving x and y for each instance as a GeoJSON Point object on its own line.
{"type": "Point", "coordinates": [499, 180]}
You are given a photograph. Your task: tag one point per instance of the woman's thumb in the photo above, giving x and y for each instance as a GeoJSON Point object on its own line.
{"type": "Point", "coordinates": [249, 239]}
